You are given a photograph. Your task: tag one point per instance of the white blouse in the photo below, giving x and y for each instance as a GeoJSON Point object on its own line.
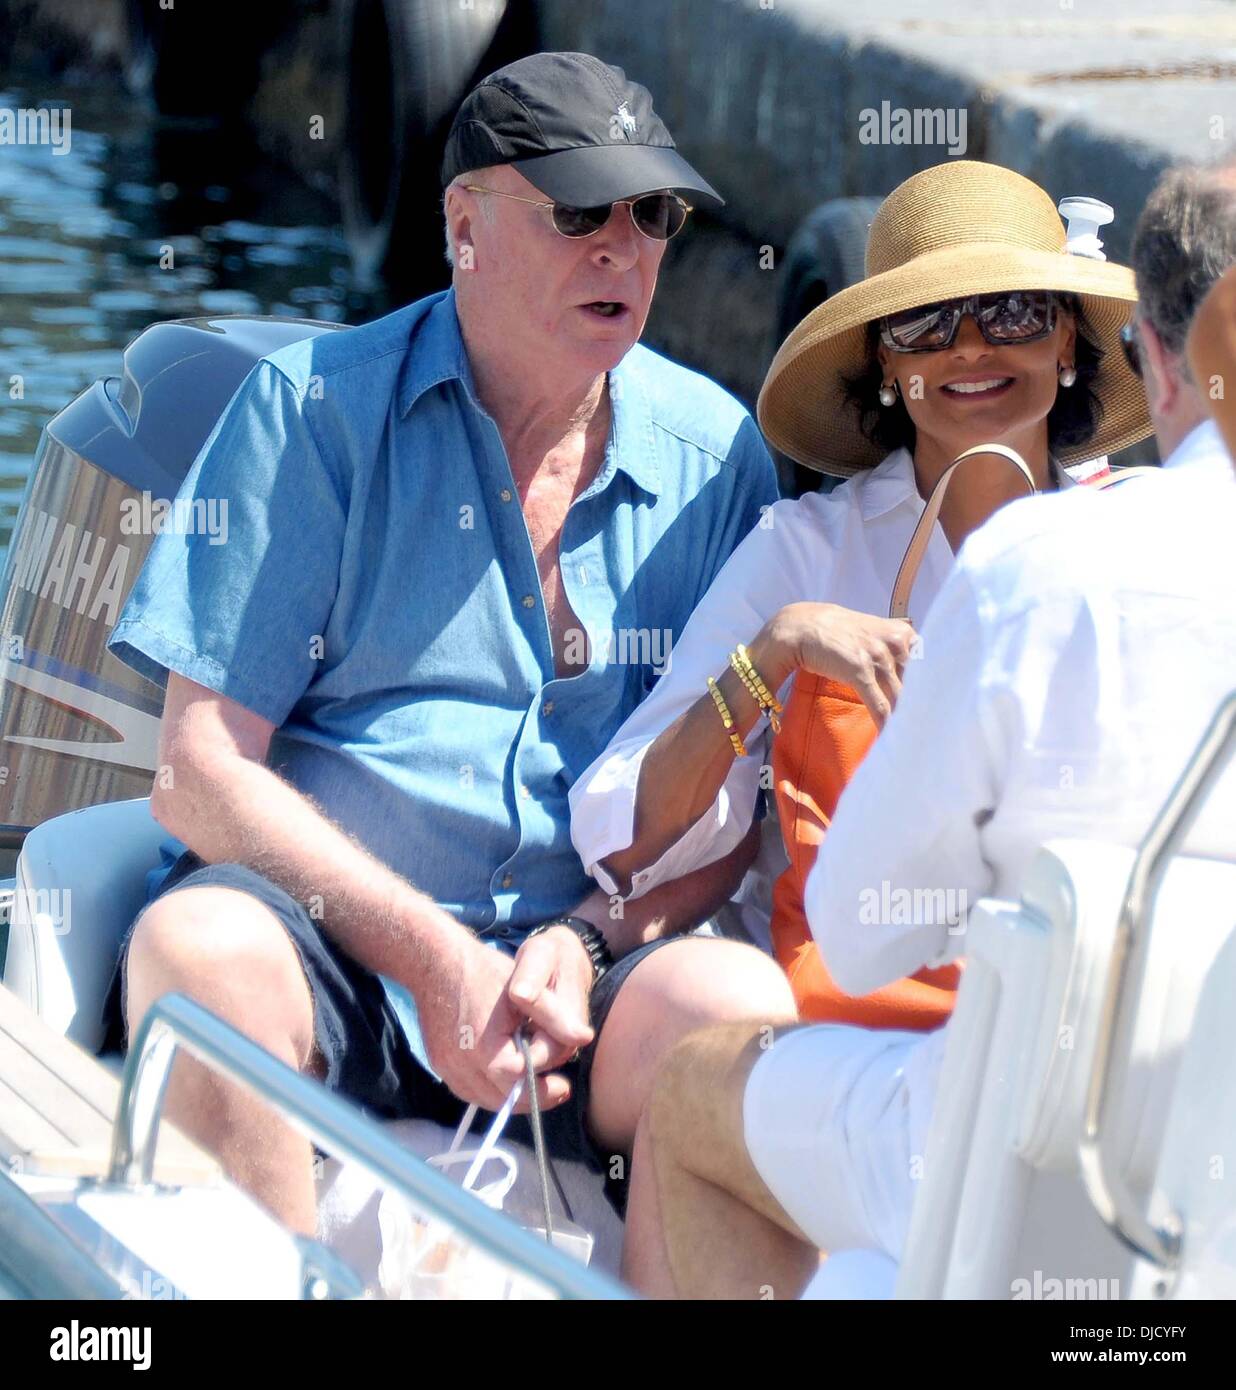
{"type": "Point", "coordinates": [842, 547]}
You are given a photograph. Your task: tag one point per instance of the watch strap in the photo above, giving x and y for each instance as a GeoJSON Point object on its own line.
{"type": "Point", "coordinates": [592, 939]}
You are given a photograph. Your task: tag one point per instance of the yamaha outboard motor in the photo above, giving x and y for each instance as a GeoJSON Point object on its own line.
{"type": "Point", "coordinates": [79, 727]}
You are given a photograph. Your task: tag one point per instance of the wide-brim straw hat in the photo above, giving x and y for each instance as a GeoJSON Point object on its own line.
{"type": "Point", "coordinates": [956, 229]}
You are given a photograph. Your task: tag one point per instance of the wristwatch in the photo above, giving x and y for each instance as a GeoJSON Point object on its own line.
{"type": "Point", "coordinates": [593, 940]}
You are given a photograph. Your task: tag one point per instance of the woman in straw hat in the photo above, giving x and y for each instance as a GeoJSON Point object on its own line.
{"type": "Point", "coordinates": [976, 324]}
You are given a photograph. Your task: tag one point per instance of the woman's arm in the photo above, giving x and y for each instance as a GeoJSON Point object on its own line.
{"type": "Point", "coordinates": [1212, 355]}
{"type": "Point", "coordinates": [686, 766]}
{"type": "Point", "coordinates": [668, 795]}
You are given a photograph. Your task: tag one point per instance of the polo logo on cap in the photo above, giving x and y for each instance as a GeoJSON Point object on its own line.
{"type": "Point", "coordinates": [629, 128]}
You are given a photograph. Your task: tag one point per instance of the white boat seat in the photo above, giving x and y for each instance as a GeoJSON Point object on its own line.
{"type": "Point", "coordinates": [1001, 1210]}
{"type": "Point", "coordinates": [81, 880]}
{"type": "Point", "coordinates": [1198, 1161]}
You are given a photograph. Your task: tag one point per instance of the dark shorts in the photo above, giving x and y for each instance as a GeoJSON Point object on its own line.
{"type": "Point", "coordinates": [365, 1049]}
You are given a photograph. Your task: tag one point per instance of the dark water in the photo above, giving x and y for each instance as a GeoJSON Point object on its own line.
{"type": "Point", "coordinates": [82, 235]}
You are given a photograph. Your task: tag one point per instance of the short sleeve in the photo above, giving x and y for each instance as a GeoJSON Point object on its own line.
{"type": "Point", "coordinates": [238, 586]}
{"type": "Point", "coordinates": [757, 493]}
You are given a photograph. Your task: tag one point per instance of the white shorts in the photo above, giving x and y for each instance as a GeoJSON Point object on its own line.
{"type": "Point", "coordinates": [835, 1120]}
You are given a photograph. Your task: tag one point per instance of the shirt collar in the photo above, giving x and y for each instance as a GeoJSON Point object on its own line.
{"type": "Point", "coordinates": [436, 353]}
{"type": "Point", "coordinates": [891, 483]}
{"type": "Point", "coordinates": [1202, 442]}
{"type": "Point", "coordinates": [632, 440]}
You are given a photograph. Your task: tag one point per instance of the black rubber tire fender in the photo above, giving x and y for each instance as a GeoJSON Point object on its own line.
{"type": "Point", "coordinates": [201, 58]}
{"type": "Point", "coordinates": [408, 64]}
{"type": "Point", "coordinates": [825, 255]}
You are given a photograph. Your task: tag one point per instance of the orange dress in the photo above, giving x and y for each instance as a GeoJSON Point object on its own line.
{"type": "Point", "coordinates": [825, 733]}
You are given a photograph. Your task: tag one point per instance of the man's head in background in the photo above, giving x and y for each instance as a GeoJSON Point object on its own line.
{"type": "Point", "coordinates": [571, 133]}
{"type": "Point", "coordinates": [1184, 241]}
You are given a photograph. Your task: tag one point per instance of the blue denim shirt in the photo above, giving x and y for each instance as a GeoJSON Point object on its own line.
{"type": "Point", "coordinates": [377, 597]}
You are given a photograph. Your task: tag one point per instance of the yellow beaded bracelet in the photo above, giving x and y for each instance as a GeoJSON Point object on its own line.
{"type": "Point", "coordinates": [748, 678]}
{"type": "Point", "coordinates": [740, 660]}
{"type": "Point", "coordinates": [726, 718]}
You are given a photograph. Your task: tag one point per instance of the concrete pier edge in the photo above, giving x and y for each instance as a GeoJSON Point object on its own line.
{"type": "Point", "coordinates": [769, 97]}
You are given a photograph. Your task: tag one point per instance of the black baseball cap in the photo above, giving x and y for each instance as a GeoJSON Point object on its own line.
{"type": "Point", "coordinates": [573, 126]}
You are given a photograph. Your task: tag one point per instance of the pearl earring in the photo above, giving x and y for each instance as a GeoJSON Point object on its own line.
{"type": "Point", "coordinates": [888, 396]}
{"type": "Point", "coordinates": [1068, 375]}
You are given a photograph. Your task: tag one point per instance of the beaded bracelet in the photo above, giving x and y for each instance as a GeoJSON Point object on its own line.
{"type": "Point", "coordinates": [726, 718]}
{"type": "Point", "coordinates": [740, 660]}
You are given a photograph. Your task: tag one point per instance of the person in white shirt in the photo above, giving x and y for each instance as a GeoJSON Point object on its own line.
{"type": "Point", "coordinates": [1070, 664]}
{"type": "Point", "coordinates": [884, 384]}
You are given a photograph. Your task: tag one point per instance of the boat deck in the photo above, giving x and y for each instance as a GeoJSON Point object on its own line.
{"type": "Point", "coordinates": [57, 1105]}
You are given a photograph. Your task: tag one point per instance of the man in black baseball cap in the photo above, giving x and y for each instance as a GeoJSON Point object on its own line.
{"type": "Point", "coordinates": [507, 510]}
{"type": "Point", "coordinates": [573, 126]}
{"type": "Point", "coordinates": [562, 188]}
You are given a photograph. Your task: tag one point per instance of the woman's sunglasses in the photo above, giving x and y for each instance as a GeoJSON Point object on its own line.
{"type": "Point", "coordinates": [658, 215]}
{"type": "Point", "coordinates": [1018, 316]}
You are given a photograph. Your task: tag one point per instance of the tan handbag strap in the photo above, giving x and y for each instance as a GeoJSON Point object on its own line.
{"type": "Point", "coordinates": [913, 558]}
{"type": "Point", "coordinates": [1109, 479]}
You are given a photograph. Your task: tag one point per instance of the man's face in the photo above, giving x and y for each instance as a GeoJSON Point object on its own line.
{"type": "Point", "coordinates": [571, 303]}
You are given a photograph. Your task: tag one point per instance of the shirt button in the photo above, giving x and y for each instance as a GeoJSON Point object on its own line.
{"type": "Point", "coordinates": [547, 707]}
{"type": "Point", "coordinates": [525, 793]}
{"type": "Point", "coordinates": [505, 494]}
{"type": "Point", "coordinates": [528, 600]}
{"type": "Point", "coordinates": [507, 880]}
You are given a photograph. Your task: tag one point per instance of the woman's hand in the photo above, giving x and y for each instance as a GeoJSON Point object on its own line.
{"type": "Point", "coordinates": [859, 649]}
{"type": "Point", "coordinates": [1211, 349]}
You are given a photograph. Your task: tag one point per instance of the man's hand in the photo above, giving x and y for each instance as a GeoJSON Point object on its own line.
{"type": "Point", "coordinates": [468, 1022]}
{"type": "Point", "coordinates": [550, 985]}
{"type": "Point", "coordinates": [863, 651]}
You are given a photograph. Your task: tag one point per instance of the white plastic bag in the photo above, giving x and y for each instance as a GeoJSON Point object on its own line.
{"type": "Point", "coordinates": [424, 1257]}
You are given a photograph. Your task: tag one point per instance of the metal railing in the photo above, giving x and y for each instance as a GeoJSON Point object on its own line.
{"type": "Point", "coordinates": [332, 1123]}
{"type": "Point", "coordinates": [39, 1259]}
{"type": "Point", "coordinates": [1102, 1174]}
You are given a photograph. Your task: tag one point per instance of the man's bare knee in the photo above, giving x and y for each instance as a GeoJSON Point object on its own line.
{"type": "Point", "coordinates": [231, 954]}
{"type": "Point", "coordinates": [696, 1109]}
{"type": "Point", "coordinates": [696, 1101]}
{"type": "Point", "coordinates": [749, 984]}
{"type": "Point", "coordinates": [723, 982]}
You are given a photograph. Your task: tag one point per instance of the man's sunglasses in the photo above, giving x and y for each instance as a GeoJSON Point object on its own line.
{"type": "Point", "coordinates": [658, 215]}
{"type": "Point", "coordinates": [1132, 348]}
{"type": "Point", "coordinates": [1018, 316]}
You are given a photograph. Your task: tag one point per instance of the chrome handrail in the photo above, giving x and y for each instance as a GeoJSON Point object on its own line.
{"type": "Point", "coordinates": [39, 1258]}
{"type": "Point", "coordinates": [175, 1022]}
{"type": "Point", "coordinates": [1103, 1179]}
